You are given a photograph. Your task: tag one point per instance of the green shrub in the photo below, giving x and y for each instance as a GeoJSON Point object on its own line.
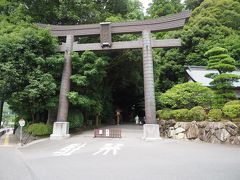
{"type": "Point", "coordinates": [186, 95]}
{"type": "Point", "coordinates": [75, 119]}
{"type": "Point", "coordinates": [165, 114]}
{"type": "Point", "coordinates": [39, 129]}
{"type": "Point", "coordinates": [234, 102]}
{"type": "Point", "coordinates": [197, 114]}
{"type": "Point", "coordinates": [231, 111]}
{"type": "Point", "coordinates": [180, 114]}
{"type": "Point", "coordinates": [215, 114]}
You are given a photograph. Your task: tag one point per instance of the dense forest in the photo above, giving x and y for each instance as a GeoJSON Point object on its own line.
{"type": "Point", "coordinates": [102, 82]}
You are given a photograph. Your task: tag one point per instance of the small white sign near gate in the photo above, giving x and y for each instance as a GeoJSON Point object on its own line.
{"type": "Point", "coordinates": [107, 132]}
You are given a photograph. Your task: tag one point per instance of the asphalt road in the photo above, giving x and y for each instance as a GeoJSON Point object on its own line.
{"type": "Point", "coordinates": [83, 157]}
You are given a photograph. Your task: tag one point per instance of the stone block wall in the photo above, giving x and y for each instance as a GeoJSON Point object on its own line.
{"type": "Point", "coordinates": [211, 132]}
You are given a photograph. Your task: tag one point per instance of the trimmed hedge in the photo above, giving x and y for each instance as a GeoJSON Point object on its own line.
{"type": "Point", "coordinates": [180, 114]}
{"type": "Point", "coordinates": [215, 115]}
{"type": "Point", "coordinates": [234, 102]}
{"type": "Point", "coordinates": [197, 114]}
{"type": "Point", "coordinates": [165, 114]}
{"type": "Point", "coordinates": [231, 111]}
{"type": "Point", "coordinates": [39, 129]}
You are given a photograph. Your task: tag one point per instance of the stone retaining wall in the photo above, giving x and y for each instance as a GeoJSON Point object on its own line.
{"type": "Point", "coordinates": [211, 132]}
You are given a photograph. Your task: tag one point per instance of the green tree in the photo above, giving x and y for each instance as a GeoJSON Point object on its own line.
{"type": "Point", "coordinates": [186, 95]}
{"type": "Point", "coordinates": [192, 4]}
{"type": "Point", "coordinates": [89, 71]}
{"type": "Point", "coordinates": [160, 8]}
{"type": "Point", "coordinates": [213, 23]}
{"type": "Point", "coordinates": [223, 82]}
{"type": "Point", "coordinates": [25, 80]}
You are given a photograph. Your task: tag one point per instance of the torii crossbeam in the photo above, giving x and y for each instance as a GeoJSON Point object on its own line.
{"type": "Point", "coordinates": [105, 30]}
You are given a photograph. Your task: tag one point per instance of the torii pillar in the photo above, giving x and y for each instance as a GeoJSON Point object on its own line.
{"type": "Point", "coordinates": [151, 128]}
{"type": "Point", "coordinates": [61, 126]}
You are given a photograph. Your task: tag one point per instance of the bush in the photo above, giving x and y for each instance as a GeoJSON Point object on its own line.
{"type": "Point", "coordinates": [234, 102]}
{"type": "Point", "coordinates": [197, 114]}
{"type": "Point", "coordinates": [215, 115]}
{"type": "Point", "coordinates": [231, 111]}
{"type": "Point", "coordinates": [75, 119]}
{"type": "Point", "coordinates": [165, 114]}
{"type": "Point", "coordinates": [39, 129]}
{"type": "Point", "coordinates": [186, 95]}
{"type": "Point", "coordinates": [180, 114]}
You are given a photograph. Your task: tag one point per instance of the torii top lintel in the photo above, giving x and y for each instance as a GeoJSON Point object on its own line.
{"type": "Point", "coordinates": [164, 23]}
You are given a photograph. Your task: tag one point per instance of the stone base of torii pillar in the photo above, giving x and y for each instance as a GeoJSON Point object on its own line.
{"type": "Point", "coordinates": [60, 131]}
{"type": "Point", "coordinates": [151, 132]}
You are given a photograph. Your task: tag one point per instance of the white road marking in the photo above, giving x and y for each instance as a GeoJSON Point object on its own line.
{"type": "Point", "coordinates": [68, 150]}
{"type": "Point", "coordinates": [108, 148]}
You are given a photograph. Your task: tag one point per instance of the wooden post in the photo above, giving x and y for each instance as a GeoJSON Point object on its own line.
{"type": "Point", "coordinates": [97, 119]}
{"type": "Point", "coordinates": [149, 93]}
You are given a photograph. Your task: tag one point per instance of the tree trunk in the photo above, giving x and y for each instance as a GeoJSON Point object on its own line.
{"type": "Point", "coordinates": [33, 118]}
{"type": "Point", "coordinates": [65, 83]}
{"type": "Point", "coordinates": [85, 118]}
{"type": "Point", "coordinates": [1, 111]}
{"type": "Point", "coordinates": [97, 119]}
{"type": "Point", "coordinates": [52, 116]}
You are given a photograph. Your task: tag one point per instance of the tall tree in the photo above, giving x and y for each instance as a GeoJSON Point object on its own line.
{"type": "Point", "coordinates": [89, 71]}
{"type": "Point", "coordinates": [160, 8]}
{"type": "Point", "coordinates": [25, 80]}
{"type": "Point", "coordinates": [192, 4]}
{"type": "Point", "coordinates": [220, 60]}
{"type": "Point", "coordinates": [213, 23]}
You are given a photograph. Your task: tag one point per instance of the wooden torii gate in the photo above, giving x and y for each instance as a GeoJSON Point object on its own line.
{"type": "Point", "coordinates": [105, 30]}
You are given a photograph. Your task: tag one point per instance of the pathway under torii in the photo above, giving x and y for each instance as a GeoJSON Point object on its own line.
{"type": "Point", "coordinates": [105, 30]}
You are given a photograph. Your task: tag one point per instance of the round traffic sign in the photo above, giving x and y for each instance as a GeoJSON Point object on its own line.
{"type": "Point", "coordinates": [21, 122]}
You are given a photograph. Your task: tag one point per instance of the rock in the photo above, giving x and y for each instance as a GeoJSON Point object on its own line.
{"type": "Point", "coordinates": [230, 124]}
{"type": "Point", "coordinates": [170, 123]}
{"type": "Point", "coordinates": [162, 122]}
{"type": "Point", "coordinates": [202, 124]}
{"type": "Point", "coordinates": [171, 132]}
{"type": "Point", "coordinates": [210, 125]}
{"type": "Point", "coordinates": [232, 131]}
{"type": "Point", "coordinates": [217, 125]}
{"type": "Point", "coordinates": [162, 131]}
{"type": "Point", "coordinates": [234, 140]}
{"type": "Point", "coordinates": [180, 136]}
{"type": "Point", "coordinates": [179, 130]}
{"type": "Point", "coordinates": [213, 139]}
{"type": "Point", "coordinates": [209, 134]}
{"type": "Point", "coordinates": [192, 132]}
{"type": "Point", "coordinates": [202, 134]}
{"type": "Point", "coordinates": [214, 125]}
{"type": "Point", "coordinates": [184, 125]}
{"type": "Point", "coordinates": [222, 135]}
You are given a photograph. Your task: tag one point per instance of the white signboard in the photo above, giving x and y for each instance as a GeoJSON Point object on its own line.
{"type": "Point", "coordinates": [21, 122]}
{"type": "Point", "coordinates": [100, 131]}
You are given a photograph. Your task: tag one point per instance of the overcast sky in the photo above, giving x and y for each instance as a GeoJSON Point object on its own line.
{"type": "Point", "coordinates": [145, 4]}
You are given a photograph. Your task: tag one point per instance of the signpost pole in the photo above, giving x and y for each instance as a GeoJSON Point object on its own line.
{"type": "Point", "coordinates": [21, 135]}
{"type": "Point", "coordinates": [21, 123]}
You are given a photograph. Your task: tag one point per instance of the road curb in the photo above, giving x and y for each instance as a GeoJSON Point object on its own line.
{"type": "Point", "coordinates": [32, 143]}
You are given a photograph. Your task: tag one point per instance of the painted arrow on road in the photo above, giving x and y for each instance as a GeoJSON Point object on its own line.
{"type": "Point", "coordinates": [109, 148]}
{"type": "Point", "coordinates": [68, 150]}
